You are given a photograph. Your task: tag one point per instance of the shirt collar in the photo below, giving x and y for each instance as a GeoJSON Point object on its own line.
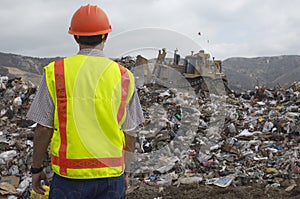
{"type": "Point", "coordinates": [91, 52]}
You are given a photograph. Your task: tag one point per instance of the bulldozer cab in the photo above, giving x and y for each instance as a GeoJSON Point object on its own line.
{"type": "Point", "coordinates": [193, 64]}
{"type": "Point", "coordinates": [201, 64]}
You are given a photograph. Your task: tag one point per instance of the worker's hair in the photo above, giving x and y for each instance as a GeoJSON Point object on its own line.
{"type": "Point", "coordinates": [91, 40]}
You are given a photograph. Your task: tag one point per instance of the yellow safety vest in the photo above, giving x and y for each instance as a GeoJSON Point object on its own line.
{"type": "Point", "coordinates": [90, 95]}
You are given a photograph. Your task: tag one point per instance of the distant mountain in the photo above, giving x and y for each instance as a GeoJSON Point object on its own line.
{"type": "Point", "coordinates": [242, 73]}
{"type": "Point", "coordinates": [29, 68]}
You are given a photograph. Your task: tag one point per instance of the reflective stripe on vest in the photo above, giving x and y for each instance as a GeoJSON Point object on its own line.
{"type": "Point", "coordinates": [62, 161]}
{"type": "Point", "coordinates": [125, 85]}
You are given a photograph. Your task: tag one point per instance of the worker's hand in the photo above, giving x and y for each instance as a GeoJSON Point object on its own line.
{"type": "Point", "coordinates": [37, 184]}
{"type": "Point", "coordinates": [126, 181]}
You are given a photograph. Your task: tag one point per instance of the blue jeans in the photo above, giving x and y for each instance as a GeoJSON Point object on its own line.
{"type": "Point", "coordinates": [102, 188]}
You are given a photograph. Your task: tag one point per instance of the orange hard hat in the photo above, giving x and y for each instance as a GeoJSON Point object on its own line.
{"type": "Point", "coordinates": [89, 21]}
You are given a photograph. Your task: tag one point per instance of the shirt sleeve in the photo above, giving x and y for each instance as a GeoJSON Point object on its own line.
{"type": "Point", "coordinates": [42, 108]}
{"type": "Point", "coordinates": [134, 114]}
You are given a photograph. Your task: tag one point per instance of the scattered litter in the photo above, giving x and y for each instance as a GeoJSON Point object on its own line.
{"type": "Point", "coordinates": [186, 138]}
{"type": "Point", "coordinates": [220, 139]}
{"type": "Point", "coordinates": [221, 182]}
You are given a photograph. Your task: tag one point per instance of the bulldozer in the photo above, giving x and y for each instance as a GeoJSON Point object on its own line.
{"type": "Point", "coordinates": [203, 74]}
{"type": "Point", "coordinates": [197, 71]}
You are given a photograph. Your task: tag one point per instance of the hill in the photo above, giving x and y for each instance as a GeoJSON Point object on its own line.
{"type": "Point", "coordinates": [30, 68]}
{"type": "Point", "coordinates": [242, 73]}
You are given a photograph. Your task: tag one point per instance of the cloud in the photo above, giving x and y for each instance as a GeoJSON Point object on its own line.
{"type": "Point", "coordinates": [228, 28]}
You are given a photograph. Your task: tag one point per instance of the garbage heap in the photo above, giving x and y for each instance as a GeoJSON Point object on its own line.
{"type": "Point", "coordinates": [252, 137]}
{"type": "Point", "coordinates": [16, 137]}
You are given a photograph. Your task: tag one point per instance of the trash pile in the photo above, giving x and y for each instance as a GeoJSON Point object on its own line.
{"type": "Point", "coordinates": [16, 137]}
{"type": "Point", "coordinates": [245, 138]}
{"type": "Point", "coordinates": [127, 61]}
{"type": "Point", "coordinates": [220, 140]}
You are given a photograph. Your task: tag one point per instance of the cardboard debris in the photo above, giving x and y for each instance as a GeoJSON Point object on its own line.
{"type": "Point", "coordinates": [7, 189]}
{"type": "Point", "coordinates": [13, 180]}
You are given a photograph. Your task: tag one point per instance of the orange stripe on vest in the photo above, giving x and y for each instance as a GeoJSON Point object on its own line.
{"type": "Point", "coordinates": [62, 110]}
{"type": "Point", "coordinates": [125, 84]}
{"type": "Point", "coordinates": [88, 163]}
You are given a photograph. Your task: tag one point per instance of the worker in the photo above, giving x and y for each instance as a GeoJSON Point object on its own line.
{"type": "Point", "coordinates": [87, 108]}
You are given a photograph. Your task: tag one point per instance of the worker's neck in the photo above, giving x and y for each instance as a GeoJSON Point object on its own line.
{"type": "Point", "coordinates": [98, 47]}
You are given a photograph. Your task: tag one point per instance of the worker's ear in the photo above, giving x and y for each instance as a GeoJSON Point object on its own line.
{"type": "Point", "coordinates": [76, 37]}
{"type": "Point", "coordinates": [104, 37]}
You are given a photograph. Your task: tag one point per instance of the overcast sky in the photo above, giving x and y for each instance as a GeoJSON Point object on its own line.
{"type": "Point", "coordinates": [229, 28]}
